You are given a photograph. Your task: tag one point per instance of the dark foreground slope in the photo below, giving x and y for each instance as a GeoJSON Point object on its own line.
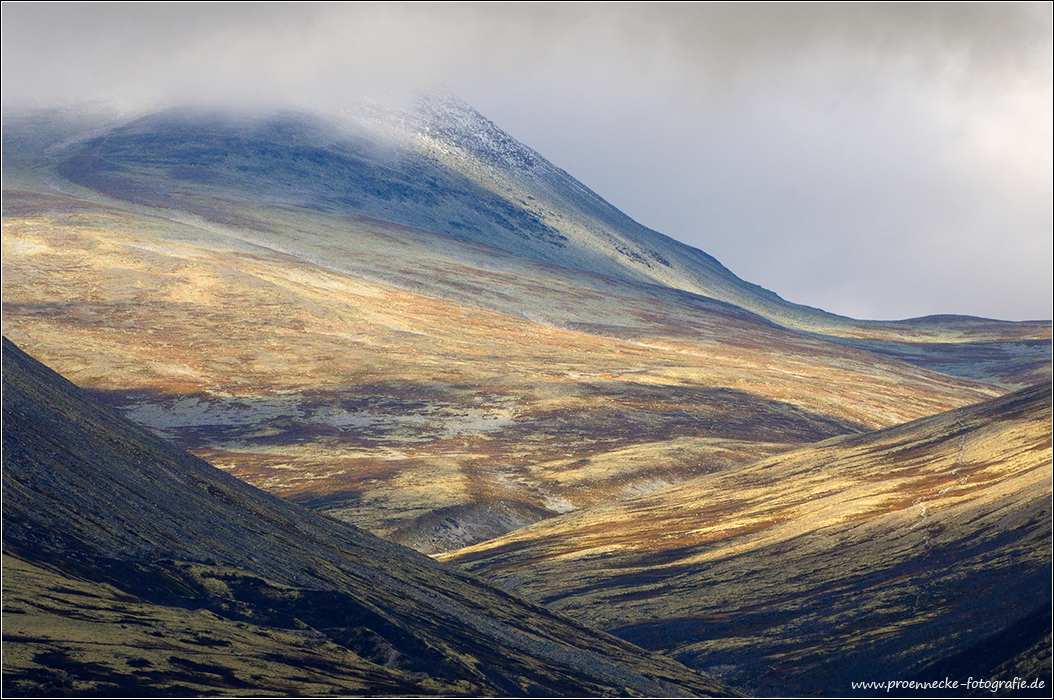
{"type": "Point", "coordinates": [131, 567]}
{"type": "Point", "coordinates": [915, 552]}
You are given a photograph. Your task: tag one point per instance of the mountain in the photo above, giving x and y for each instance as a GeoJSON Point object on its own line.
{"type": "Point", "coordinates": [132, 567]}
{"type": "Point", "coordinates": [410, 321]}
{"type": "Point", "coordinates": [439, 166]}
{"type": "Point", "coordinates": [921, 551]}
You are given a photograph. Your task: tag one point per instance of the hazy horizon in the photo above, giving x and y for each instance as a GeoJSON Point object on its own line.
{"type": "Point", "coordinates": [883, 161]}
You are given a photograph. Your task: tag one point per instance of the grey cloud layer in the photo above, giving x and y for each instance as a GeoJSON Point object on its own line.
{"type": "Point", "coordinates": [875, 160]}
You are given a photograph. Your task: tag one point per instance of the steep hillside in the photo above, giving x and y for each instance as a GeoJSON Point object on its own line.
{"type": "Point", "coordinates": [913, 552]}
{"type": "Point", "coordinates": [131, 567]}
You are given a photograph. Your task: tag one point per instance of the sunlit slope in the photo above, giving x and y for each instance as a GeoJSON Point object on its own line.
{"type": "Point", "coordinates": [132, 567]}
{"type": "Point", "coordinates": [897, 554]}
{"type": "Point", "coordinates": [417, 414]}
{"type": "Point", "coordinates": [438, 166]}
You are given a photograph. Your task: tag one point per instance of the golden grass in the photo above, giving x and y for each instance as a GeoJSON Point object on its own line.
{"type": "Point", "coordinates": [154, 309]}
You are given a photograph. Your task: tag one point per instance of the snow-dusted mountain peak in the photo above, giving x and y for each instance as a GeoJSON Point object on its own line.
{"type": "Point", "coordinates": [451, 119]}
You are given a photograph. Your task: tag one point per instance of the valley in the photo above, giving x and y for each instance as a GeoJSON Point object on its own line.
{"type": "Point", "coordinates": [904, 545]}
{"type": "Point", "coordinates": [133, 567]}
{"type": "Point", "coordinates": [311, 382]}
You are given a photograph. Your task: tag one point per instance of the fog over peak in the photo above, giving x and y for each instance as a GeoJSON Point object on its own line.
{"type": "Point", "coordinates": [874, 160]}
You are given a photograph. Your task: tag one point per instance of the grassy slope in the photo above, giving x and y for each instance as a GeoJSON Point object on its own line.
{"type": "Point", "coordinates": [409, 382]}
{"type": "Point", "coordinates": [860, 558]}
{"type": "Point", "coordinates": [220, 586]}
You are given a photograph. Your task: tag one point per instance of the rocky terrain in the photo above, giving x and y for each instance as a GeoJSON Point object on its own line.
{"type": "Point", "coordinates": [913, 552]}
{"type": "Point", "coordinates": [133, 568]}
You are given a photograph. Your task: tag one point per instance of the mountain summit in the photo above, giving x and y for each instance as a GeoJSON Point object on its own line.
{"type": "Point", "coordinates": [441, 167]}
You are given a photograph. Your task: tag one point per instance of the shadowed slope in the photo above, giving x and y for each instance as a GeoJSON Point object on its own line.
{"type": "Point", "coordinates": [131, 567]}
{"type": "Point", "coordinates": [873, 557]}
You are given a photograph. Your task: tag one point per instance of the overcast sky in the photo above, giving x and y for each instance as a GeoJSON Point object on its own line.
{"type": "Point", "coordinates": [880, 161]}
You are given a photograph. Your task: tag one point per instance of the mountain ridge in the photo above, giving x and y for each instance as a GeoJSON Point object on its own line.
{"type": "Point", "coordinates": [445, 130]}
